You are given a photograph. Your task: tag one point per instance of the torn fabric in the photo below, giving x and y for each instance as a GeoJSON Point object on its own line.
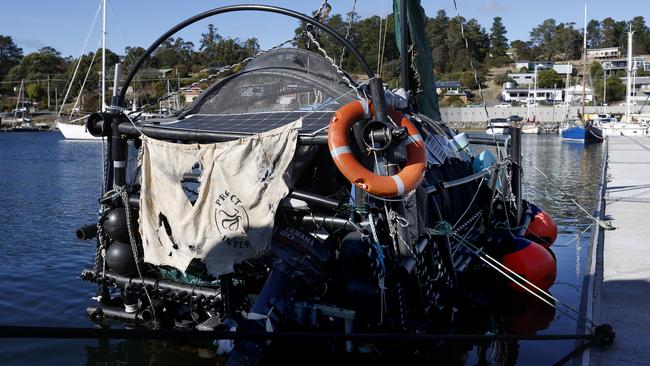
{"type": "Point", "coordinates": [241, 184]}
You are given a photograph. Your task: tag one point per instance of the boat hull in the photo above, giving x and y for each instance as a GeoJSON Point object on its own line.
{"type": "Point", "coordinates": [76, 132]}
{"type": "Point", "coordinates": [531, 129]}
{"type": "Point", "coordinates": [587, 135]}
{"type": "Point", "coordinates": [623, 130]}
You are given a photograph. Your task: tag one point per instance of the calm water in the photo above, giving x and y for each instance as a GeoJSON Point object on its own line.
{"type": "Point", "coordinates": [49, 187]}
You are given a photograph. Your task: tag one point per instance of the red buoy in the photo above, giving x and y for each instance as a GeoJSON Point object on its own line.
{"type": "Point", "coordinates": [532, 262]}
{"type": "Point", "coordinates": [541, 229]}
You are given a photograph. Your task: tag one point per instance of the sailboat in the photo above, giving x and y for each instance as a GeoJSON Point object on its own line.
{"type": "Point", "coordinates": [582, 130]}
{"type": "Point", "coordinates": [78, 131]}
{"type": "Point", "coordinates": [21, 108]}
{"type": "Point", "coordinates": [627, 127]}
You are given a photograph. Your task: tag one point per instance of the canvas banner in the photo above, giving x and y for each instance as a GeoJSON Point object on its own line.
{"type": "Point", "coordinates": [241, 185]}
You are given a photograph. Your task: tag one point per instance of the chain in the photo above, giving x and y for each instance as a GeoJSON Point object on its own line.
{"type": "Point", "coordinates": [347, 31]}
{"type": "Point", "coordinates": [401, 299]}
{"type": "Point", "coordinates": [340, 71]}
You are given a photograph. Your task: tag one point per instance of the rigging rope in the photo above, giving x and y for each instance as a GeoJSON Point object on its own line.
{"type": "Point", "coordinates": [83, 50]}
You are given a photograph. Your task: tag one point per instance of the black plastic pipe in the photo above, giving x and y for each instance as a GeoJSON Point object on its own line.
{"type": "Point", "coordinates": [515, 155]}
{"type": "Point", "coordinates": [249, 7]}
{"type": "Point", "coordinates": [87, 232]}
{"type": "Point", "coordinates": [122, 281]}
{"type": "Point", "coordinates": [162, 133]}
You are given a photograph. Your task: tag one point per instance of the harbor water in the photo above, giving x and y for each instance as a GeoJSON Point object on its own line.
{"type": "Point", "coordinates": [50, 186]}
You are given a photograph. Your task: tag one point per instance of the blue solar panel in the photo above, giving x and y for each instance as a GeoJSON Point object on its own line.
{"type": "Point", "coordinates": [249, 123]}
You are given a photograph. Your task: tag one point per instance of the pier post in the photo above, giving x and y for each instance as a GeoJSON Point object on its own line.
{"type": "Point", "coordinates": [515, 155]}
{"type": "Point", "coordinates": [118, 145]}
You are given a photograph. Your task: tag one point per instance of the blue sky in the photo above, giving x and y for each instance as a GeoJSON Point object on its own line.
{"type": "Point", "coordinates": [64, 24]}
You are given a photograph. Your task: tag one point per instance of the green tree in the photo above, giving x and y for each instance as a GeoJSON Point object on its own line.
{"type": "Point", "coordinates": [612, 32]}
{"type": "Point", "coordinates": [641, 36]}
{"type": "Point", "coordinates": [498, 42]}
{"type": "Point", "coordinates": [594, 34]}
{"type": "Point", "coordinates": [542, 37]}
{"type": "Point", "coordinates": [615, 89]}
{"type": "Point", "coordinates": [523, 50]}
{"type": "Point", "coordinates": [549, 79]}
{"type": "Point", "coordinates": [596, 70]}
{"type": "Point", "coordinates": [501, 79]}
{"type": "Point", "coordinates": [436, 34]}
{"type": "Point", "coordinates": [35, 91]}
{"type": "Point", "coordinates": [10, 55]}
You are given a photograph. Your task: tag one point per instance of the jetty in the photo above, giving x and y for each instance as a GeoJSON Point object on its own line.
{"type": "Point", "coordinates": [617, 288]}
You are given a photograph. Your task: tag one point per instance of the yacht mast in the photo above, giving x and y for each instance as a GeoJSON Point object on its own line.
{"type": "Point", "coordinates": [630, 70]}
{"type": "Point", "coordinates": [584, 63]}
{"type": "Point", "coordinates": [104, 55]}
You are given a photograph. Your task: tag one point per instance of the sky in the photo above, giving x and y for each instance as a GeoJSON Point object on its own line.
{"type": "Point", "coordinates": [65, 24]}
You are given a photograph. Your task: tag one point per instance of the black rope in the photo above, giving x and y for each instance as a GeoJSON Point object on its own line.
{"type": "Point", "coordinates": [7, 331]}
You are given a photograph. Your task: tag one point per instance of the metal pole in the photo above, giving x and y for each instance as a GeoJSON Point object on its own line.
{"type": "Point", "coordinates": [48, 92]}
{"type": "Point", "coordinates": [103, 105]}
{"type": "Point", "coordinates": [404, 44]}
{"type": "Point", "coordinates": [515, 155]}
{"type": "Point", "coordinates": [118, 144]}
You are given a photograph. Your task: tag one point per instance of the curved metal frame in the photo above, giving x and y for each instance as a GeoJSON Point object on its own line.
{"type": "Point", "coordinates": [233, 8]}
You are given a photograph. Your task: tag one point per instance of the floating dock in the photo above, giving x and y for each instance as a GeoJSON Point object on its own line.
{"type": "Point", "coordinates": [618, 284]}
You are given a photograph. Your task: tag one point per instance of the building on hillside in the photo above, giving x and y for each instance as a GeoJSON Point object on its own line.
{"type": "Point", "coordinates": [449, 89]}
{"type": "Point", "coordinates": [573, 94]}
{"type": "Point", "coordinates": [640, 89]}
{"type": "Point", "coordinates": [639, 63]}
{"type": "Point", "coordinates": [605, 53]}
{"type": "Point", "coordinates": [563, 69]}
{"type": "Point", "coordinates": [545, 95]}
{"type": "Point", "coordinates": [530, 65]}
{"type": "Point", "coordinates": [191, 92]}
{"type": "Point", "coordinates": [525, 78]}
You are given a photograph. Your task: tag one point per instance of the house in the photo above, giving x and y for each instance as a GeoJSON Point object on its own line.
{"type": "Point", "coordinates": [639, 63]}
{"type": "Point", "coordinates": [530, 65]}
{"type": "Point", "coordinates": [574, 94]}
{"type": "Point", "coordinates": [191, 92]}
{"type": "Point", "coordinates": [525, 95]}
{"type": "Point", "coordinates": [448, 89]}
{"type": "Point", "coordinates": [604, 53]}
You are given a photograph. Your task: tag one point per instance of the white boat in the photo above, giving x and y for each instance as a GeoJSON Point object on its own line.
{"type": "Point", "coordinates": [75, 132]}
{"type": "Point", "coordinates": [70, 129]}
{"type": "Point", "coordinates": [608, 124]}
{"type": "Point", "coordinates": [498, 126]}
{"type": "Point", "coordinates": [623, 129]}
{"type": "Point", "coordinates": [531, 129]}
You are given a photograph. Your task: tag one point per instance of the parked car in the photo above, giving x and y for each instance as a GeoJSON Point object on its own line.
{"type": "Point", "coordinates": [562, 105]}
{"type": "Point", "coordinates": [477, 105]}
{"type": "Point", "coordinates": [503, 105]}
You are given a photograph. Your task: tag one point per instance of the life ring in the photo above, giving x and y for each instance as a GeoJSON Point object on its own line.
{"type": "Point", "coordinates": [379, 185]}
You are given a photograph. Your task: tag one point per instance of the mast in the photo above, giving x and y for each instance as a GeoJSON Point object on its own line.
{"type": "Point", "coordinates": [104, 55]}
{"type": "Point", "coordinates": [584, 63]}
{"type": "Point", "coordinates": [630, 70]}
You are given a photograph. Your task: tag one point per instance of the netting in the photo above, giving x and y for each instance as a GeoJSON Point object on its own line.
{"type": "Point", "coordinates": [286, 79]}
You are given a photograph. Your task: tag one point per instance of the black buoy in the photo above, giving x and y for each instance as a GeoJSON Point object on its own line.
{"type": "Point", "coordinates": [115, 224]}
{"type": "Point", "coordinates": [119, 258]}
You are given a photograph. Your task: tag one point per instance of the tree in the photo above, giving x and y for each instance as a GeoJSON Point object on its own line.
{"type": "Point", "coordinates": [523, 50]}
{"type": "Point", "coordinates": [35, 91]}
{"type": "Point", "coordinates": [502, 78]}
{"type": "Point", "coordinates": [594, 34]}
{"type": "Point", "coordinates": [641, 36]}
{"type": "Point", "coordinates": [436, 29]}
{"type": "Point", "coordinates": [612, 31]}
{"type": "Point", "coordinates": [567, 43]}
{"type": "Point", "coordinates": [498, 42]}
{"type": "Point", "coordinates": [542, 38]}
{"type": "Point", "coordinates": [549, 79]}
{"type": "Point", "coordinates": [615, 89]}
{"type": "Point", "coordinates": [596, 70]}
{"type": "Point", "coordinates": [10, 55]}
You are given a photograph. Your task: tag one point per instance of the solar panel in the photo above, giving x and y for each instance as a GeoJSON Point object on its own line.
{"type": "Point", "coordinates": [249, 123]}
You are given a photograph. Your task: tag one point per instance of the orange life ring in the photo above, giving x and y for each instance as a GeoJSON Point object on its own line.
{"type": "Point", "coordinates": [380, 185]}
